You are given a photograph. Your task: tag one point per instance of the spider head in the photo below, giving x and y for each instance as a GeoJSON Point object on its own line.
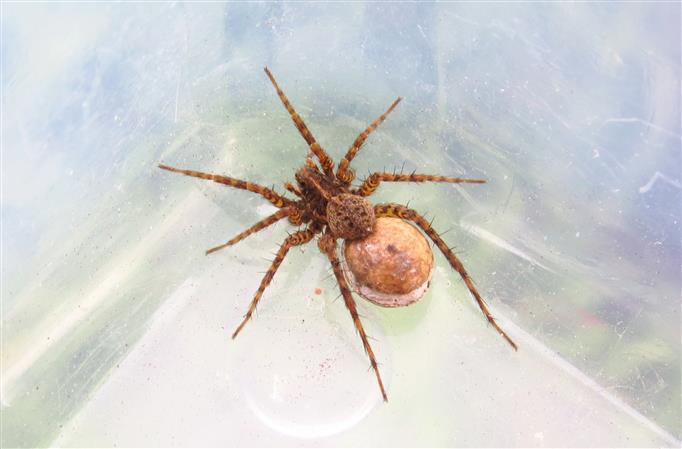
{"type": "Point", "coordinates": [350, 216]}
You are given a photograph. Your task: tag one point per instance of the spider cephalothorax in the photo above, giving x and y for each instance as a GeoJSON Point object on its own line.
{"type": "Point", "coordinates": [350, 216]}
{"type": "Point", "coordinates": [328, 205]}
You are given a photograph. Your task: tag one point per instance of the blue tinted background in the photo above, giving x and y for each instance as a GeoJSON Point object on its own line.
{"type": "Point", "coordinates": [113, 320]}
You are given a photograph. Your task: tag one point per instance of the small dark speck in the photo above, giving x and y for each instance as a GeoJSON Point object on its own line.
{"type": "Point", "coordinates": [391, 249]}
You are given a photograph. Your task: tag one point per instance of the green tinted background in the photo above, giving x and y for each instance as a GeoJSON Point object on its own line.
{"type": "Point", "coordinates": [115, 326]}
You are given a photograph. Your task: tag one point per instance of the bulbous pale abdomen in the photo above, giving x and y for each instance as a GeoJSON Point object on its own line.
{"type": "Point", "coordinates": [392, 266]}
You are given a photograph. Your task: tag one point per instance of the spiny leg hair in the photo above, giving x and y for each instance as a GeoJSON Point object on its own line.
{"type": "Point", "coordinates": [400, 211]}
{"type": "Point", "coordinates": [264, 223]}
{"type": "Point", "coordinates": [326, 161]}
{"type": "Point", "coordinates": [327, 245]}
{"type": "Point", "coordinates": [344, 173]}
{"type": "Point", "coordinates": [295, 239]}
{"type": "Point", "coordinates": [372, 182]}
{"type": "Point", "coordinates": [268, 194]}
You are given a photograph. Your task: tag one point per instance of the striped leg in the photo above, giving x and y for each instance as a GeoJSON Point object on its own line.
{"type": "Point", "coordinates": [397, 210]}
{"type": "Point", "coordinates": [326, 161]}
{"type": "Point", "coordinates": [264, 223]}
{"type": "Point", "coordinates": [295, 239]}
{"type": "Point", "coordinates": [293, 189]}
{"type": "Point", "coordinates": [344, 173]}
{"type": "Point", "coordinates": [327, 245]}
{"type": "Point", "coordinates": [372, 182]}
{"type": "Point", "coordinates": [268, 194]}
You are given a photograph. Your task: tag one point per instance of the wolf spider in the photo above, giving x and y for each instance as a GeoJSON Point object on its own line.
{"type": "Point", "coordinates": [329, 205]}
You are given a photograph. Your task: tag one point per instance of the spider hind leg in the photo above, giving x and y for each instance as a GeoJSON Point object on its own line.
{"type": "Point", "coordinates": [371, 183]}
{"type": "Point", "coordinates": [295, 239]}
{"type": "Point", "coordinates": [327, 245]}
{"type": "Point", "coordinates": [400, 211]}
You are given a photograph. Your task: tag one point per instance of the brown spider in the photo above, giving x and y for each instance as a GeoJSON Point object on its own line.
{"type": "Point", "coordinates": [328, 204]}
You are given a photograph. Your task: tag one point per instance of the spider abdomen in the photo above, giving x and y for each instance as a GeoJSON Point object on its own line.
{"type": "Point", "coordinates": [350, 216]}
{"type": "Point", "coordinates": [391, 267]}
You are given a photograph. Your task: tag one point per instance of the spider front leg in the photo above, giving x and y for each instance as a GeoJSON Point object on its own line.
{"type": "Point", "coordinates": [327, 245]}
{"type": "Point", "coordinates": [400, 211]}
{"type": "Point", "coordinates": [344, 173]}
{"type": "Point", "coordinates": [326, 161]}
{"type": "Point", "coordinates": [372, 182]}
{"type": "Point", "coordinates": [295, 239]}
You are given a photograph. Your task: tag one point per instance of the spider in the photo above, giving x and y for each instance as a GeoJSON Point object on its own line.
{"type": "Point", "coordinates": [328, 206]}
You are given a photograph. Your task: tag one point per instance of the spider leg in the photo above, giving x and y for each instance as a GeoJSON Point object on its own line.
{"type": "Point", "coordinates": [295, 239]}
{"type": "Point", "coordinates": [344, 173]}
{"type": "Point", "coordinates": [372, 181]}
{"type": "Point", "coordinates": [264, 223]}
{"type": "Point", "coordinates": [327, 245]}
{"type": "Point", "coordinates": [293, 189]}
{"type": "Point", "coordinates": [400, 211]}
{"type": "Point", "coordinates": [268, 194]}
{"type": "Point", "coordinates": [326, 161]}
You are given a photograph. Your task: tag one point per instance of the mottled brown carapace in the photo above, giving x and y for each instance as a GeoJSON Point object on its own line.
{"type": "Point", "coordinates": [327, 205]}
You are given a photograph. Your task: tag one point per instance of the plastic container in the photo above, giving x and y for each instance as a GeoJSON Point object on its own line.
{"type": "Point", "coordinates": [116, 327]}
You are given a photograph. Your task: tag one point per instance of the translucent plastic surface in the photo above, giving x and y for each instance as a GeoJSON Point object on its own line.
{"type": "Point", "coordinates": [116, 328]}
